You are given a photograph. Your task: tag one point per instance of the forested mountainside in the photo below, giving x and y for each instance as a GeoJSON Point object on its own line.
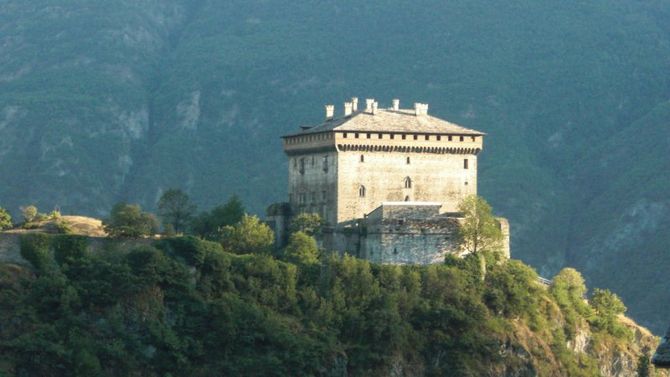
{"type": "Point", "coordinates": [109, 101]}
{"type": "Point", "coordinates": [188, 307]}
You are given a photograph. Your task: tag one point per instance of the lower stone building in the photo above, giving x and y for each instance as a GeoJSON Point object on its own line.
{"type": "Point", "coordinates": [393, 233]}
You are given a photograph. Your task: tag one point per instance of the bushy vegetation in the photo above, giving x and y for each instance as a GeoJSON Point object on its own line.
{"type": "Point", "coordinates": [128, 220]}
{"type": "Point", "coordinates": [5, 219]}
{"type": "Point", "coordinates": [190, 307]}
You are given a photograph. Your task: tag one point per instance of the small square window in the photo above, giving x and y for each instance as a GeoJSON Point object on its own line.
{"type": "Point", "coordinates": [368, 135]}
{"type": "Point", "coordinates": [449, 137]}
{"type": "Point", "coordinates": [392, 136]}
{"type": "Point", "coordinates": [439, 137]}
{"type": "Point", "coordinates": [344, 135]}
{"type": "Point", "coordinates": [356, 135]}
{"type": "Point", "coordinates": [416, 137]}
{"type": "Point", "coordinates": [427, 137]}
{"type": "Point", "coordinates": [404, 136]}
{"type": "Point", "coordinates": [379, 136]}
{"type": "Point", "coordinates": [461, 138]}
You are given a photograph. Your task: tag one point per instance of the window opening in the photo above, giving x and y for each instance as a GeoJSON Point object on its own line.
{"type": "Point", "coordinates": [408, 182]}
{"type": "Point", "coordinates": [407, 160]}
{"type": "Point", "coordinates": [465, 163]}
{"type": "Point", "coordinates": [361, 191]}
{"type": "Point", "coordinates": [362, 158]}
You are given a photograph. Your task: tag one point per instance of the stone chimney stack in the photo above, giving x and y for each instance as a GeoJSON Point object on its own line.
{"type": "Point", "coordinates": [354, 104]}
{"type": "Point", "coordinates": [420, 108]}
{"type": "Point", "coordinates": [396, 104]}
{"type": "Point", "coordinates": [374, 107]}
{"type": "Point", "coordinates": [347, 108]}
{"type": "Point", "coordinates": [330, 112]}
{"type": "Point", "coordinates": [368, 105]}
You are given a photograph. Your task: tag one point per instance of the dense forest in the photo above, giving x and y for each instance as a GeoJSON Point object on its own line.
{"type": "Point", "coordinates": [186, 306]}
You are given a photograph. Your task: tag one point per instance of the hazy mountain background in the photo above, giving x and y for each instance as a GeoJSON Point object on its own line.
{"type": "Point", "coordinates": [109, 101]}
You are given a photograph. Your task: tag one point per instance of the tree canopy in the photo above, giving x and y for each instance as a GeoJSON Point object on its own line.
{"type": "Point", "coordinates": [249, 235]}
{"type": "Point", "coordinates": [5, 219]}
{"type": "Point", "coordinates": [128, 220]}
{"type": "Point", "coordinates": [176, 209]}
{"type": "Point", "coordinates": [209, 224]}
{"type": "Point", "coordinates": [479, 230]}
{"type": "Point", "coordinates": [301, 249]}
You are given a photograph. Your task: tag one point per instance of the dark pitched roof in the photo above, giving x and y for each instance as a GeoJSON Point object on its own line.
{"type": "Point", "coordinates": [388, 120]}
{"type": "Point", "coordinates": [661, 358]}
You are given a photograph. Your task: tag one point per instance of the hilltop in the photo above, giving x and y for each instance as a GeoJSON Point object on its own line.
{"type": "Point", "coordinates": [185, 306]}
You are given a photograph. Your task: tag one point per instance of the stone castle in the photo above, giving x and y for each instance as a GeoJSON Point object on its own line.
{"type": "Point", "coordinates": [386, 181]}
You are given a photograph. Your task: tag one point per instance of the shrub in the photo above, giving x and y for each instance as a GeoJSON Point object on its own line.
{"type": "Point", "coordinates": [191, 249]}
{"type": "Point", "coordinates": [302, 249]}
{"type": "Point", "coordinates": [35, 248]}
{"type": "Point", "coordinates": [29, 213]}
{"type": "Point", "coordinates": [5, 219]}
{"type": "Point", "coordinates": [128, 220]}
{"type": "Point", "coordinates": [249, 235]}
{"type": "Point", "coordinates": [68, 248]}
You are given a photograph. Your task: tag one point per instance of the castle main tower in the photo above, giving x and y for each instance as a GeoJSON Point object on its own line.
{"type": "Point", "coordinates": [346, 167]}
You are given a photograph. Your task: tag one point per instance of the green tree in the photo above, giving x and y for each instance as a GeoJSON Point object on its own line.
{"type": "Point", "coordinates": [302, 249]}
{"type": "Point", "coordinates": [128, 220]}
{"type": "Point", "coordinates": [249, 235]}
{"type": "Point", "coordinates": [29, 213]}
{"type": "Point", "coordinates": [309, 223]}
{"type": "Point", "coordinates": [209, 224]}
{"type": "Point", "coordinates": [479, 231]}
{"type": "Point", "coordinates": [175, 209]}
{"type": "Point", "coordinates": [5, 219]}
{"type": "Point", "coordinates": [608, 306]}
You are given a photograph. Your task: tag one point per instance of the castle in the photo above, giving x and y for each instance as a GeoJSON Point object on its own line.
{"type": "Point", "coordinates": [386, 181]}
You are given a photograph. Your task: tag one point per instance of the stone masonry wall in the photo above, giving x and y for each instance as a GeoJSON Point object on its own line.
{"type": "Point", "coordinates": [434, 178]}
{"type": "Point", "coordinates": [10, 246]}
{"type": "Point", "coordinates": [409, 241]}
{"type": "Point", "coordinates": [313, 189]}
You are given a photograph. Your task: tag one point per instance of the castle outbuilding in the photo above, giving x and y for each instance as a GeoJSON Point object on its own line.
{"type": "Point", "coordinates": [386, 181]}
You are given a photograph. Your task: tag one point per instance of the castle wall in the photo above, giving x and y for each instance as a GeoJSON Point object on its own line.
{"type": "Point", "coordinates": [410, 241]}
{"type": "Point", "coordinates": [10, 250]}
{"type": "Point", "coordinates": [10, 246]}
{"type": "Point", "coordinates": [312, 184]}
{"type": "Point", "coordinates": [434, 178]}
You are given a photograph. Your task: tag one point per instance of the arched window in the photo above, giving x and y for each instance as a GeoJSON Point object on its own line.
{"type": "Point", "coordinates": [407, 198]}
{"type": "Point", "coordinates": [361, 191]}
{"type": "Point", "coordinates": [362, 158]}
{"type": "Point", "coordinates": [407, 160]}
{"type": "Point", "coordinates": [408, 182]}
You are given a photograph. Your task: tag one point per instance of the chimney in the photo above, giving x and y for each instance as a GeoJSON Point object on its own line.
{"type": "Point", "coordinates": [368, 105]}
{"type": "Point", "coordinates": [420, 108]}
{"type": "Point", "coordinates": [347, 108]}
{"type": "Point", "coordinates": [396, 104]}
{"type": "Point", "coordinates": [354, 104]}
{"type": "Point", "coordinates": [330, 112]}
{"type": "Point", "coordinates": [374, 107]}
